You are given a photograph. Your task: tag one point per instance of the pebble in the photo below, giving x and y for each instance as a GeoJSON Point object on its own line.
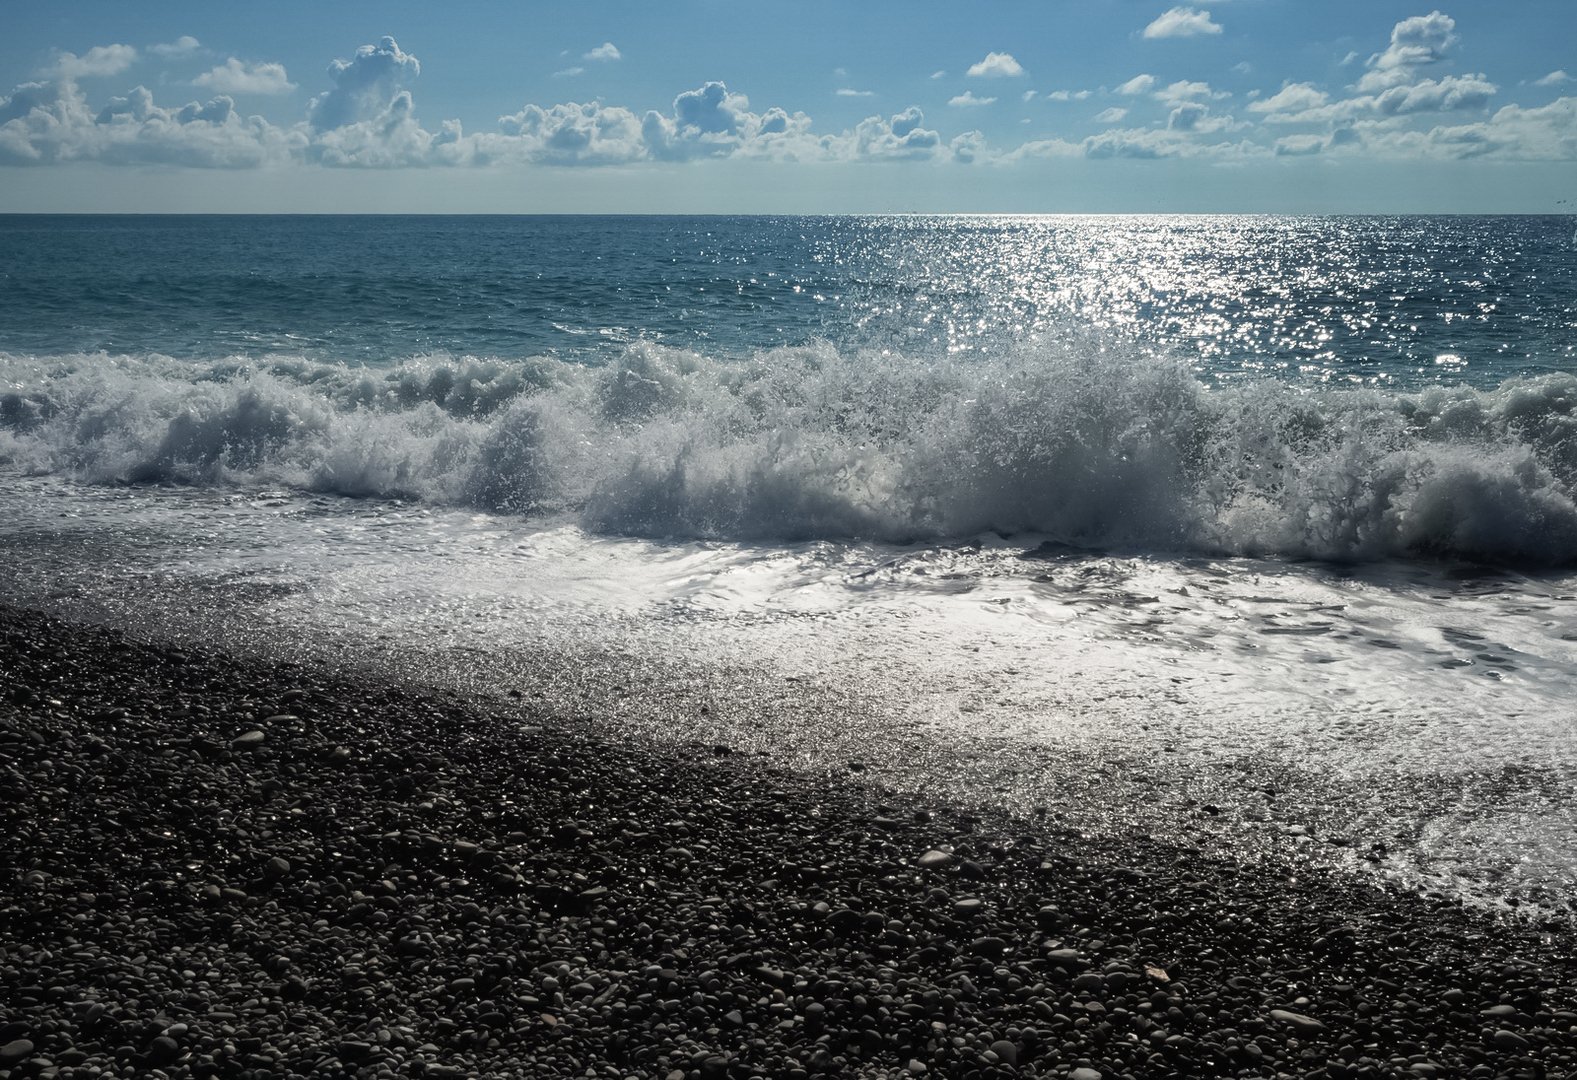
{"type": "Point", "coordinates": [475, 898]}
{"type": "Point", "coordinates": [16, 1050]}
{"type": "Point", "coordinates": [1304, 1025]}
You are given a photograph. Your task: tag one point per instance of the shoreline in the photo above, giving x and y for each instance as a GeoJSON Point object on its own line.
{"type": "Point", "coordinates": [228, 867]}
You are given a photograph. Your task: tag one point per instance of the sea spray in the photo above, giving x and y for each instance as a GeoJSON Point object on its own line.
{"type": "Point", "coordinates": [1084, 442]}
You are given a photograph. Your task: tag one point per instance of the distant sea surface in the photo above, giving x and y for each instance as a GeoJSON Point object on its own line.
{"type": "Point", "coordinates": [1295, 493]}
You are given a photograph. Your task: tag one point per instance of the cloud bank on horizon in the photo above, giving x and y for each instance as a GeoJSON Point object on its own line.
{"type": "Point", "coordinates": [1407, 96]}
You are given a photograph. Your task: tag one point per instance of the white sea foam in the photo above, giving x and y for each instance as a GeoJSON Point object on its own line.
{"type": "Point", "coordinates": [1085, 444]}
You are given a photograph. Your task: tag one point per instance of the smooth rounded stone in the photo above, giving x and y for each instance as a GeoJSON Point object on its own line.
{"type": "Point", "coordinates": [989, 947]}
{"type": "Point", "coordinates": [163, 1049]}
{"type": "Point", "coordinates": [969, 907]}
{"type": "Point", "coordinates": [934, 860]}
{"type": "Point", "coordinates": [16, 1050]}
{"type": "Point", "coordinates": [1303, 1025]}
{"type": "Point", "coordinates": [248, 740]}
{"type": "Point", "coordinates": [1005, 1051]}
{"type": "Point", "coordinates": [1082, 1073]}
{"type": "Point", "coordinates": [1509, 1040]}
{"type": "Point", "coordinates": [277, 867]}
{"type": "Point", "coordinates": [353, 1050]}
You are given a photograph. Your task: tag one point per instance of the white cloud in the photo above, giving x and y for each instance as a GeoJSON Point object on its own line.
{"type": "Point", "coordinates": [996, 65]}
{"type": "Point", "coordinates": [938, 74]}
{"type": "Point", "coordinates": [1182, 22]}
{"type": "Point", "coordinates": [1027, 96]}
{"type": "Point", "coordinates": [1187, 117]}
{"type": "Point", "coordinates": [1449, 94]}
{"type": "Point", "coordinates": [1110, 116]}
{"type": "Point", "coordinates": [235, 77]}
{"type": "Point", "coordinates": [52, 122]}
{"type": "Point", "coordinates": [606, 51]}
{"type": "Point", "coordinates": [1416, 42]}
{"type": "Point", "coordinates": [1290, 99]}
{"type": "Point", "coordinates": [1139, 84]}
{"type": "Point", "coordinates": [1299, 145]}
{"type": "Point", "coordinates": [1184, 90]}
{"type": "Point", "coordinates": [900, 137]}
{"type": "Point", "coordinates": [1350, 59]}
{"type": "Point", "coordinates": [98, 61]}
{"type": "Point", "coordinates": [1068, 95]}
{"type": "Point", "coordinates": [364, 85]}
{"type": "Point", "coordinates": [708, 121]}
{"type": "Point", "coordinates": [1554, 78]}
{"type": "Point", "coordinates": [184, 45]}
{"type": "Point", "coordinates": [1152, 143]}
{"type": "Point", "coordinates": [1545, 133]}
{"type": "Point", "coordinates": [968, 147]}
{"type": "Point", "coordinates": [569, 72]}
{"type": "Point", "coordinates": [968, 100]}
{"type": "Point", "coordinates": [1301, 103]}
{"type": "Point", "coordinates": [1422, 39]}
{"type": "Point", "coordinates": [570, 134]}
{"type": "Point", "coordinates": [1243, 67]}
{"type": "Point", "coordinates": [846, 92]}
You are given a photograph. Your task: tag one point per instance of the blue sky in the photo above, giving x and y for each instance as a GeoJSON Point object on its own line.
{"type": "Point", "coordinates": [696, 105]}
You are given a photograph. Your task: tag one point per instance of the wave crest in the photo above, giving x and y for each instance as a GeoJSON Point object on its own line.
{"type": "Point", "coordinates": [1085, 444]}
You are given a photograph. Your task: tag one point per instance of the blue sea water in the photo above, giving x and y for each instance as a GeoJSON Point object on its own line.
{"type": "Point", "coordinates": [1204, 506]}
{"type": "Point", "coordinates": [1335, 388]}
{"type": "Point", "coordinates": [1398, 300]}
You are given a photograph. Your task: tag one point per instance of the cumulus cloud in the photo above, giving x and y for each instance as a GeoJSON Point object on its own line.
{"type": "Point", "coordinates": [1112, 115]}
{"type": "Point", "coordinates": [1291, 99]}
{"type": "Point", "coordinates": [571, 134]}
{"type": "Point", "coordinates": [1422, 39]}
{"type": "Point", "coordinates": [996, 65]}
{"type": "Point", "coordinates": [1182, 22]}
{"type": "Point", "coordinates": [1187, 117]}
{"type": "Point", "coordinates": [708, 121]}
{"type": "Point", "coordinates": [52, 122]}
{"type": "Point", "coordinates": [1139, 84]}
{"type": "Point", "coordinates": [1554, 78]}
{"type": "Point", "coordinates": [184, 45]}
{"type": "Point", "coordinates": [1184, 90]}
{"type": "Point", "coordinates": [1449, 94]}
{"type": "Point", "coordinates": [98, 61]}
{"type": "Point", "coordinates": [1299, 145]}
{"type": "Point", "coordinates": [364, 86]}
{"type": "Point", "coordinates": [1153, 143]}
{"type": "Point", "coordinates": [1069, 95]}
{"type": "Point", "coordinates": [968, 100]}
{"type": "Point", "coordinates": [606, 51]}
{"type": "Point", "coordinates": [1301, 103]}
{"type": "Point", "coordinates": [968, 147]}
{"type": "Point", "coordinates": [1416, 42]}
{"type": "Point", "coordinates": [900, 137]}
{"type": "Point", "coordinates": [235, 77]}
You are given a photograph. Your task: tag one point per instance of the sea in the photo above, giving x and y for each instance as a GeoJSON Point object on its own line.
{"type": "Point", "coordinates": [1247, 535]}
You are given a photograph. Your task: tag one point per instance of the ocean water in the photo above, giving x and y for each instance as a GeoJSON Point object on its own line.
{"type": "Point", "coordinates": [1136, 515]}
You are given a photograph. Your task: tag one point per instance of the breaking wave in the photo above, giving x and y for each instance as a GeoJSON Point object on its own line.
{"type": "Point", "coordinates": [1093, 446]}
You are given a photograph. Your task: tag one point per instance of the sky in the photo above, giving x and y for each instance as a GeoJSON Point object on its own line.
{"type": "Point", "coordinates": [730, 106]}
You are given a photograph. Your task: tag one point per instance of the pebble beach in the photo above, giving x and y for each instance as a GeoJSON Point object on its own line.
{"type": "Point", "coordinates": [218, 866]}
